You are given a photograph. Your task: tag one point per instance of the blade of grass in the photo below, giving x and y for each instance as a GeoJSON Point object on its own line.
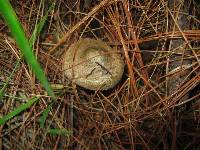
{"type": "Point", "coordinates": [44, 116]}
{"type": "Point", "coordinates": [40, 25]}
{"type": "Point", "coordinates": [36, 32]}
{"type": "Point", "coordinates": [18, 110]}
{"type": "Point", "coordinates": [10, 17]}
{"type": "Point", "coordinates": [58, 131]}
{"type": "Point", "coordinates": [32, 40]}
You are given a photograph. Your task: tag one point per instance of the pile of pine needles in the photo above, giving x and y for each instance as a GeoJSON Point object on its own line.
{"type": "Point", "coordinates": [156, 104]}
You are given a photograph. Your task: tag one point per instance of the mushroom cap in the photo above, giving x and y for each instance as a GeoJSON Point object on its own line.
{"type": "Point", "coordinates": [93, 64]}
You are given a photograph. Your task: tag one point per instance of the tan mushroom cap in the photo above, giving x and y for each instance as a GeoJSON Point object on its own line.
{"type": "Point", "coordinates": [94, 65]}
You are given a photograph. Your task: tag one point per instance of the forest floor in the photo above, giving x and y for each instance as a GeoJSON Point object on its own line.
{"type": "Point", "coordinates": [155, 105]}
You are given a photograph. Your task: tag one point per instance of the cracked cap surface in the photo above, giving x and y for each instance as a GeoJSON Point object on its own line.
{"type": "Point", "coordinates": [93, 64]}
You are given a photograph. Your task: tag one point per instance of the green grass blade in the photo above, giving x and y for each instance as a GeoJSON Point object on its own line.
{"type": "Point", "coordinates": [32, 40]}
{"type": "Point", "coordinates": [40, 25]}
{"type": "Point", "coordinates": [18, 110]}
{"type": "Point", "coordinates": [57, 131]}
{"type": "Point", "coordinates": [10, 17]}
{"type": "Point", "coordinates": [44, 116]}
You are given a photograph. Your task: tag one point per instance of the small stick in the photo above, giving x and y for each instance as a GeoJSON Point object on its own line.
{"type": "Point", "coordinates": [104, 68]}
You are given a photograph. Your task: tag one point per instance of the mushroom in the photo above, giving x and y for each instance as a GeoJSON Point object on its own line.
{"type": "Point", "coordinates": [93, 64]}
